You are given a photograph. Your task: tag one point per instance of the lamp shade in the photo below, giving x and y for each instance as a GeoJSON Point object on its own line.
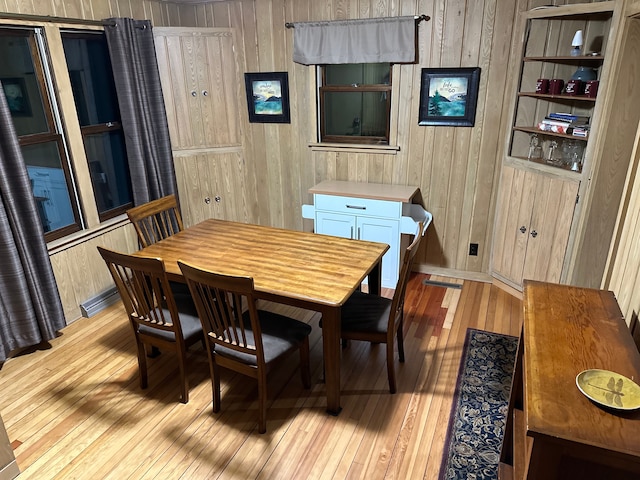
{"type": "Point", "coordinates": [577, 39]}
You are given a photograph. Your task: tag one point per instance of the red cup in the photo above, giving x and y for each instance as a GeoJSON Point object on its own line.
{"type": "Point", "coordinates": [555, 86]}
{"type": "Point", "coordinates": [542, 85]}
{"type": "Point", "coordinates": [591, 88]}
{"type": "Point", "coordinates": [574, 87]}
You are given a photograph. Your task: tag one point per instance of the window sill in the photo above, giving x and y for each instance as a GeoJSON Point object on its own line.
{"type": "Point", "coordinates": [77, 238]}
{"type": "Point", "coordinates": [354, 148]}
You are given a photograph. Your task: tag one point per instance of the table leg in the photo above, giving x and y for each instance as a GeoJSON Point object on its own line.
{"type": "Point", "coordinates": [331, 348]}
{"type": "Point", "coordinates": [374, 281]}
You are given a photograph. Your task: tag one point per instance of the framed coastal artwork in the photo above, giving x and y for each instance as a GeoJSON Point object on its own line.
{"type": "Point", "coordinates": [268, 97]}
{"type": "Point", "coordinates": [448, 96]}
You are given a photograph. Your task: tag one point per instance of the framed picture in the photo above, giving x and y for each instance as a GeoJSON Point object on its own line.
{"type": "Point", "coordinates": [268, 97]}
{"type": "Point", "coordinates": [448, 96]}
{"type": "Point", "coordinates": [15, 91]}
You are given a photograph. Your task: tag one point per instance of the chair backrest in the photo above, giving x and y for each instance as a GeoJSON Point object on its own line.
{"type": "Point", "coordinates": [397, 304]}
{"type": "Point", "coordinates": [156, 219]}
{"type": "Point", "coordinates": [219, 301]}
{"type": "Point", "coordinates": [144, 288]}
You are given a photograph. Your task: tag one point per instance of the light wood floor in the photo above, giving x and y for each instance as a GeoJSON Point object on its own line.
{"type": "Point", "coordinates": [75, 410]}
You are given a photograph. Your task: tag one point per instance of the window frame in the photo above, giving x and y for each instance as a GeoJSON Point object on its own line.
{"type": "Point", "coordinates": [354, 88]}
{"type": "Point", "coordinates": [98, 128]}
{"type": "Point", "coordinates": [36, 39]}
{"type": "Point", "coordinates": [71, 141]}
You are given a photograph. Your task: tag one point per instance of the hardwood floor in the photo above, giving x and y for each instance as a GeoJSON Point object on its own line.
{"type": "Point", "coordinates": [75, 410]}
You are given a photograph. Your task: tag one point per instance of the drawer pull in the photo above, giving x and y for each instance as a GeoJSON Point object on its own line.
{"type": "Point", "coordinates": [356, 207]}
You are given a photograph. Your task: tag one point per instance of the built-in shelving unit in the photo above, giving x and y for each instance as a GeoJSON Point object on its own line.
{"type": "Point", "coordinates": [546, 55]}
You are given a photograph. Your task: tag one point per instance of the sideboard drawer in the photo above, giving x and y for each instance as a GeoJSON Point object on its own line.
{"type": "Point", "coordinates": [358, 206]}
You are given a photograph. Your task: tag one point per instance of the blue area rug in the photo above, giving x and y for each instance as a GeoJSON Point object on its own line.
{"type": "Point", "coordinates": [476, 426]}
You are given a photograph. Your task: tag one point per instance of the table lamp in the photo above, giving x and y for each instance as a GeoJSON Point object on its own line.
{"type": "Point", "coordinates": [576, 44]}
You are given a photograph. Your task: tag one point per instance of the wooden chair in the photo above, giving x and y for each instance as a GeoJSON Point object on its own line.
{"type": "Point", "coordinates": [159, 319]}
{"type": "Point", "coordinates": [156, 220]}
{"type": "Point", "coordinates": [377, 319]}
{"type": "Point", "coordinates": [249, 342]}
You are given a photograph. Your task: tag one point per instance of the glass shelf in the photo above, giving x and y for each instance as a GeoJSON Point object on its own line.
{"type": "Point", "coordinates": [549, 134]}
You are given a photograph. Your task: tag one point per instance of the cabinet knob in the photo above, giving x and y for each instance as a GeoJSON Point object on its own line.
{"type": "Point", "coordinates": [523, 229]}
{"type": "Point", "coordinates": [534, 234]}
{"type": "Point", "coordinates": [207, 200]}
{"type": "Point", "coordinates": [217, 198]}
{"type": "Point", "coordinates": [194, 94]}
{"type": "Point", "coordinates": [205, 93]}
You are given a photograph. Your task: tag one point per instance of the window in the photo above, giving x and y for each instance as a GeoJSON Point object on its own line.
{"type": "Point", "coordinates": [27, 87]}
{"type": "Point", "coordinates": [355, 103]}
{"type": "Point", "coordinates": [27, 77]}
{"type": "Point", "coordinates": [94, 93]}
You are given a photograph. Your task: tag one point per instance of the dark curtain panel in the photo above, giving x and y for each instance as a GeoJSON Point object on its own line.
{"type": "Point", "coordinates": [142, 111]}
{"type": "Point", "coordinates": [30, 307]}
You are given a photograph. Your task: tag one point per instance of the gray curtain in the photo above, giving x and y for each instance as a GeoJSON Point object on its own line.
{"type": "Point", "coordinates": [30, 307]}
{"type": "Point", "coordinates": [142, 111]}
{"type": "Point", "coordinates": [371, 40]}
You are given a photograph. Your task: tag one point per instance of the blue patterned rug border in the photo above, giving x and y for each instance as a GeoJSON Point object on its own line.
{"type": "Point", "coordinates": [480, 402]}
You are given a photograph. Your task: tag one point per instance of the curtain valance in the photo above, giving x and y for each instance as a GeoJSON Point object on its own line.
{"type": "Point", "coordinates": [372, 40]}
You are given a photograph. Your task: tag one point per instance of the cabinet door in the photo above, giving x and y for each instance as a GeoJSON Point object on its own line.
{"type": "Point", "coordinates": [387, 231]}
{"type": "Point", "coordinates": [211, 184]}
{"type": "Point", "coordinates": [533, 222]}
{"type": "Point", "coordinates": [201, 86]}
{"type": "Point", "coordinates": [336, 224]}
{"type": "Point", "coordinates": [555, 201]}
{"type": "Point", "coordinates": [515, 203]}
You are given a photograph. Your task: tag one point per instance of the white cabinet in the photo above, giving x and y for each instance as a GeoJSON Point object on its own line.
{"type": "Point", "coordinates": [367, 211]}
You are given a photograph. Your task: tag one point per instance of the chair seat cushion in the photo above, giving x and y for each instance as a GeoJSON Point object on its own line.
{"type": "Point", "coordinates": [280, 335]}
{"type": "Point", "coordinates": [364, 312]}
{"type": "Point", "coordinates": [189, 321]}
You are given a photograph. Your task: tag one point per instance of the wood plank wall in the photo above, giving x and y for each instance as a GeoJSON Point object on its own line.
{"type": "Point", "coordinates": [457, 169]}
{"type": "Point", "coordinates": [622, 275]}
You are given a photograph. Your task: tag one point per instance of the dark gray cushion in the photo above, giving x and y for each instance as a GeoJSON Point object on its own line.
{"type": "Point", "coordinates": [366, 313]}
{"type": "Point", "coordinates": [189, 321]}
{"type": "Point", "coordinates": [280, 334]}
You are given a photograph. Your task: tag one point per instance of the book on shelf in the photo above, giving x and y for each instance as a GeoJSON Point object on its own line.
{"type": "Point", "coordinates": [551, 121]}
{"type": "Point", "coordinates": [569, 117]}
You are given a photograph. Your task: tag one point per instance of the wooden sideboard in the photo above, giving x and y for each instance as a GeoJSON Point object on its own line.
{"type": "Point", "coordinates": [553, 431]}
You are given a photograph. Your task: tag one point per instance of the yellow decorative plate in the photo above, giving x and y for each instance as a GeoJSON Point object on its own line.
{"type": "Point", "coordinates": [609, 389]}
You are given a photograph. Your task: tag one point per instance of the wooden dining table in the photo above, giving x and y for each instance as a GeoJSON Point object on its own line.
{"type": "Point", "coordinates": [306, 270]}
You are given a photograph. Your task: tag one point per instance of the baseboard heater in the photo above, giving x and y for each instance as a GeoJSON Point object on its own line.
{"type": "Point", "coordinates": [99, 302]}
{"type": "Point", "coordinates": [435, 283]}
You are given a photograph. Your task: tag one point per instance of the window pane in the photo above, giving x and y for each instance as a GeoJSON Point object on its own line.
{"type": "Point", "coordinates": [96, 102]}
{"type": "Point", "coordinates": [20, 82]}
{"type": "Point", "coordinates": [356, 113]}
{"type": "Point", "coordinates": [49, 185]}
{"type": "Point", "coordinates": [109, 169]}
{"type": "Point", "coordinates": [91, 78]}
{"type": "Point", "coordinates": [359, 74]}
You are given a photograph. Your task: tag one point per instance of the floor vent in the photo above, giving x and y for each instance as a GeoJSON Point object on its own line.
{"type": "Point", "coordinates": [441, 284]}
{"type": "Point", "coordinates": [99, 302]}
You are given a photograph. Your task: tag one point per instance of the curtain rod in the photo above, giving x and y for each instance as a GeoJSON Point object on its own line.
{"type": "Point", "coordinates": [419, 19]}
{"type": "Point", "coordinates": [62, 20]}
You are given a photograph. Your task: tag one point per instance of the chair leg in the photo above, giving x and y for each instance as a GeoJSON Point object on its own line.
{"type": "Point", "coordinates": [262, 401]}
{"type": "Point", "coordinates": [305, 368]}
{"type": "Point", "coordinates": [215, 384]}
{"type": "Point", "coordinates": [391, 371]}
{"type": "Point", "coordinates": [400, 335]}
{"type": "Point", "coordinates": [142, 364]}
{"type": "Point", "coordinates": [184, 381]}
